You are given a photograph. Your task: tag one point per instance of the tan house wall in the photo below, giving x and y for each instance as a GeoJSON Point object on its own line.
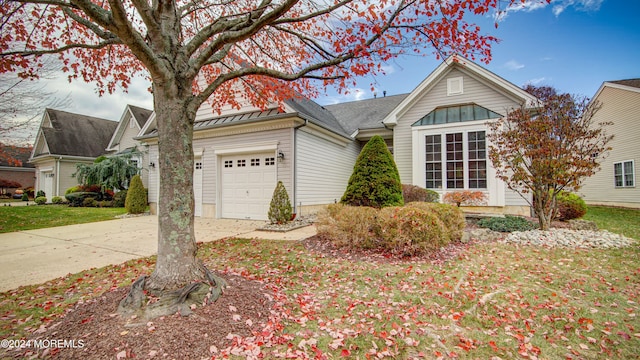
{"type": "Point", "coordinates": [621, 107]}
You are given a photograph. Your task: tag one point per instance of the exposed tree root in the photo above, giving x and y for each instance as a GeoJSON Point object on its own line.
{"type": "Point", "coordinates": [137, 305]}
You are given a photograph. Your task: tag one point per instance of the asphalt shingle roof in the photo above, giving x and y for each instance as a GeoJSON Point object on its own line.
{"type": "Point", "coordinates": [628, 82]}
{"type": "Point", "coordinates": [364, 114]}
{"type": "Point", "coordinates": [140, 114]}
{"type": "Point", "coordinates": [77, 135]}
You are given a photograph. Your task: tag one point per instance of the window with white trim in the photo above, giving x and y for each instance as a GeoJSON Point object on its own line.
{"type": "Point", "coordinates": [624, 174]}
{"type": "Point", "coordinates": [228, 163]}
{"type": "Point", "coordinates": [198, 165]}
{"type": "Point", "coordinates": [464, 164]}
{"type": "Point", "coordinates": [255, 162]}
{"type": "Point", "coordinates": [269, 161]}
{"type": "Point", "coordinates": [241, 163]}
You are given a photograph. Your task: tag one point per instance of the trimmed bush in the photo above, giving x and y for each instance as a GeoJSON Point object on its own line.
{"type": "Point", "coordinates": [410, 231]}
{"type": "Point", "coordinates": [375, 180]}
{"type": "Point", "coordinates": [89, 202]}
{"type": "Point", "coordinates": [416, 229]}
{"type": "Point", "coordinates": [25, 197]}
{"type": "Point", "coordinates": [464, 197]}
{"type": "Point", "coordinates": [348, 226]}
{"type": "Point", "coordinates": [105, 203]}
{"type": "Point", "coordinates": [280, 211]}
{"type": "Point", "coordinates": [508, 223]}
{"type": "Point", "coordinates": [136, 201]}
{"type": "Point", "coordinates": [411, 193]}
{"type": "Point", "coordinates": [452, 217]}
{"type": "Point", "coordinates": [40, 193]}
{"type": "Point", "coordinates": [74, 189]}
{"type": "Point", "coordinates": [77, 199]}
{"type": "Point", "coordinates": [40, 200]}
{"type": "Point", "coordinates": [569, 206]}
{"type": "Point", "coordinates": [57, 200]}
{"type": "Point", "coordinates": [119, 198]}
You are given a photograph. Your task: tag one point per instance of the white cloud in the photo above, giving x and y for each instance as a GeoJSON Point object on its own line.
{"type": "Point", "coordinates": [558, 6]}
{"type": "Point", "coordinates": [536, 81]}
{"type": "Point", "coordinates": [352, 94]}
{"type": "Point", "coordinates": [513, 65]}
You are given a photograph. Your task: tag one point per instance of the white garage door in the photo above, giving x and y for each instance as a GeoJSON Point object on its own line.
{"type": "Point", "coordinates": [247, 185]}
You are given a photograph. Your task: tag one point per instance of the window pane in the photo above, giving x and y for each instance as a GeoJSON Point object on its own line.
{"type": "Point", "coordinates": [453, 114]}
{"type": "Point", "coordinates": [617, 174]}
{"type": "Point", "coordinates": [433, 164]}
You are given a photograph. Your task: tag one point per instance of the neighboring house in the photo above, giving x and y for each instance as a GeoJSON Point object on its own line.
{"type": "Point", "coordinates": [616, 184]}
{"type": "Point", "coordinates": [437, 134]}
{"type": "Point", "coordinates": [122, 141]}
{"type": "Point", "coordinates": [13, 171]}
{"type": "Point", "coordinates": [65, 139]}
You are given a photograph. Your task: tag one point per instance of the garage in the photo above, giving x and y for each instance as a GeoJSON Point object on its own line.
{"type": "Point", "coordinates": [247, 184]}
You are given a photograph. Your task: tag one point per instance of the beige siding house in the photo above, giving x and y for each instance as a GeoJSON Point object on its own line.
{"type": "Point", "coordinates": [241, 154]}
{"type": "Point", "coordinates": [65, 139]}
{"type": "Point", "coordinates": [616, 184]}
{"type": "Point", "coordinates": [439, 132]}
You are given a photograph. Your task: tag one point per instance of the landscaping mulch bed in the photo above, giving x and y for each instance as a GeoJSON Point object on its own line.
{"type": "Point", "coordinates": [105, 335]}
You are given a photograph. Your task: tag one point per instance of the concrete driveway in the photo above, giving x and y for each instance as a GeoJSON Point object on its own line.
{"type": "Point", "coordinates": [35, 256]}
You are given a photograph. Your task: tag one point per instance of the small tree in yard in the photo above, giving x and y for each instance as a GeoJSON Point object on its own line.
{"type": "Point", "coordinates": [547, 151]}
{"type": "Point", "coordinates": [280, 211]}
{"type": "Point", "coordinates": [375, 180]}
{"type": "Point", "coordinates": [136, 201]}
{"type": "Point", "coordinates": [113, 172]}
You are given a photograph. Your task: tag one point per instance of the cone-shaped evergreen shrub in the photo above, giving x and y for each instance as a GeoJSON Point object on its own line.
{"type": "Point", "coordinates": [280, 211]}
{"type": "Point", "coordinates": [375, 180]}
{"type": "Point", "coordinates": [136, 201]}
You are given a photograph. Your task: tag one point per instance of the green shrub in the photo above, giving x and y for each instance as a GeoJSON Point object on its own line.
{"type": "Point", "coordinates": [89, 202]}
{"type": "Point", "coordinates": [280, 211]}
{"type": "Point", "coordinates": [77, 199]}
{"type": "Point", "coordinates": [105, 203]}
{"type": "Point", "coordinates": [508, 223]}
{"type": "Point", "coordinates": [451, 216]}
{"type": "Point", "coordinates": [74, 189]}
{"type": "Point", "coordinates": [569, 206]}
{"type": "Point", "coordinates": [409, 231]}
{"type": "Point", "coordinates": [415, 229]}
{"type": "Point", "coordinates": [40, 200]}
{"type": "Point", "coordinates": [25, 197]}
{"type": "Point", "coordinates": [375, 180]}
{"type": "Point", "coordinates": [57, 200]}
{"type": "Point", "coordinates": [348, 226]}
{"type": "Point", "coordinates": [411, 193]}
{"type": "Point", "coordinates": [136, 201]}
{"type": "Point", "coordinates": [40, 193]}
{"type": "Point", "coordinates": [119, 198]}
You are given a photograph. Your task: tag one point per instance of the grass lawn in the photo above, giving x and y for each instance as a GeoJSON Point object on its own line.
{"type": "Point", "coordinates": [617, 220]}
{"type": "Point", "coordinates": [16, 218]}
{"type": "Point", "coordinates": [491, 300]}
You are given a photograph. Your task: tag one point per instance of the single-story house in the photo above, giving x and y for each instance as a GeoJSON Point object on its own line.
{"type": "Point", "coordinates": [14, 167]}
{"type": "Point", "coordinates": [437, 134]}
{"type": "Point", "coordinates": [616, 183]}
{"type": "Point", "coordinates": [65, 139]}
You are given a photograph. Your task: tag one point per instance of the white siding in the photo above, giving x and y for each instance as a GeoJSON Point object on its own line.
{"type": "Point", "coordinates": [474, 91]}
{"type": "Point", "coordinates": [210, 165]}
{"type": "Point", "coordinates": [323, 168]}
{"type": "Point", "coordinates": [621, 107]}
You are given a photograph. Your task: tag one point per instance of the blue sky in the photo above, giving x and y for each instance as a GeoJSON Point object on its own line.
{"type": "Point", "coordinates": [572, 45]}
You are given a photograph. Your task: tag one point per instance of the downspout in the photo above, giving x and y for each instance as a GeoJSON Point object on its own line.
{"type": "Point", "coordinates": [57, 175]}
{"type": "Point", "coordinates": [295, 165]}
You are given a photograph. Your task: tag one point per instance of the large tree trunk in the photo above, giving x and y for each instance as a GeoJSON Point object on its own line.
{"type": "Point", "coordinates": [179, 278]}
